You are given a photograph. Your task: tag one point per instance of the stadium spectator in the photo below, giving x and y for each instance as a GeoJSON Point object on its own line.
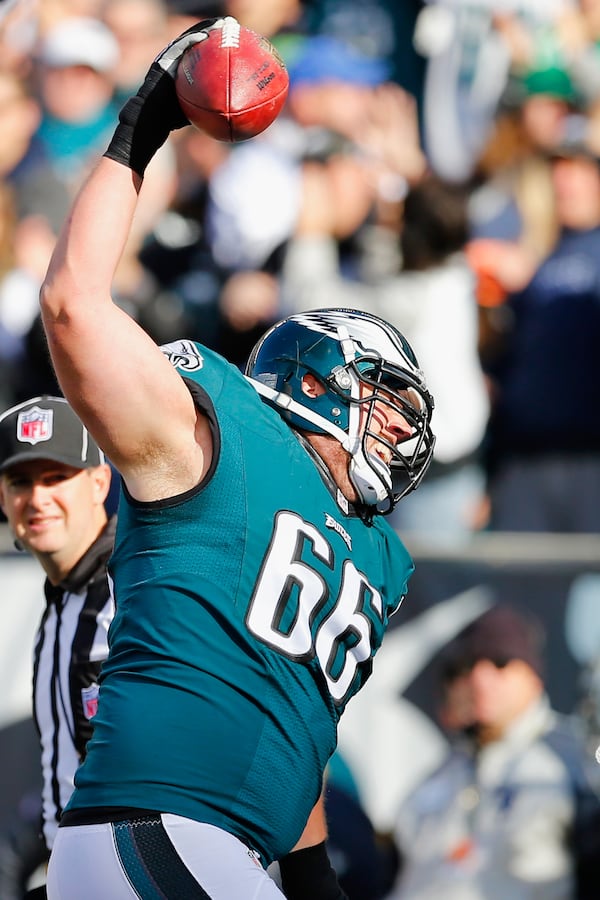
{"type": "Point", "coordinates": [379, 29]}
{"type": "Point", "coordinates": [543, 442]}
{"type": "Point", "coordinates": [430, 297]}
{"type": "Point", "coordinates": [26, 244]}
{"type": "Point", "coordinates": [511, 811]}
{"type": "Point", "coordinates": [140, 29]}
{"type": "Point", "coordinates": [23, 160]}
{"type": "Point", "coordinates": [469, 61]}
{"type": "Point", "coordinates": [75, 81]}
{"type": "Point", "coordinates": [33, 207]}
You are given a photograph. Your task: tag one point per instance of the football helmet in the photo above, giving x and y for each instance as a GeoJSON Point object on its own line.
{"type": "Point", "coordinates": [360, 361]}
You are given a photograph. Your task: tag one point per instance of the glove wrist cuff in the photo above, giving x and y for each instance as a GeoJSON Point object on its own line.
{"type": "Point", "coordinates": [125, 149]}
{"type": "Point", "coordinates": [146, 121]}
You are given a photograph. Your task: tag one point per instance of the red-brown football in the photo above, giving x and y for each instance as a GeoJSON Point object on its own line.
{"type": "Point", "coordinates": [233, 84]}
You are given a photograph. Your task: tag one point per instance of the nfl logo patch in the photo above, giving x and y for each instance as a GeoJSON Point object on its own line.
{"type": "Point", "coordinates": [35, 425]}
{"type": "Point", "coordinates": [89, 698]}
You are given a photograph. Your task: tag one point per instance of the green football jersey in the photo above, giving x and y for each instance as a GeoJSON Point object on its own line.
{"type": "Point", "coordinates": [248, 611]}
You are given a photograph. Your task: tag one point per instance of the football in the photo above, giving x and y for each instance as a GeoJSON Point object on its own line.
{"type": "Point", "coordinates": [232, 85]}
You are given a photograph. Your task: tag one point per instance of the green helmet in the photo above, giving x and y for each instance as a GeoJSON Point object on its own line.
{"type": "Point", "coordinates": [359, 360]}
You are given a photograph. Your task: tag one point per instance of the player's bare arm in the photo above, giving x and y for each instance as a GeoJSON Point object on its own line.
{"type": "Point", "coordinates": [115, 377]}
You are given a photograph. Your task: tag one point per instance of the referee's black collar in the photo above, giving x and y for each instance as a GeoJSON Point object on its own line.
{"type": "Point", "coordinates": [95, 557]}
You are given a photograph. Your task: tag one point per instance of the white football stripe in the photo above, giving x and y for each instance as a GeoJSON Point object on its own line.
{"type": "Point", "coordinates": [230, 35]}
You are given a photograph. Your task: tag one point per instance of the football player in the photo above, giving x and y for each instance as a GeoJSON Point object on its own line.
{"type": "Point", "coordinates": [254, 571]}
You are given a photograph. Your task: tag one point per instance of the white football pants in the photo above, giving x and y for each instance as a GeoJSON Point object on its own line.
{"type": "Point", "coordinates": [155, 858]}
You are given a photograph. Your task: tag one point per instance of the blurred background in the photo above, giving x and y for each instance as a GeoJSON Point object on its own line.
{"type": "Point", "coordinates": [437, 163]}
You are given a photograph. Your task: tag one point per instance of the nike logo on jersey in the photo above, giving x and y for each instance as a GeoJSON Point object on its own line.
{"type": "Point", "coordinates": [330, 522]}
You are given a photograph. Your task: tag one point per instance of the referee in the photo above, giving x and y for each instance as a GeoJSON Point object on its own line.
{"type": "Point", "coordinates": [53, 486]}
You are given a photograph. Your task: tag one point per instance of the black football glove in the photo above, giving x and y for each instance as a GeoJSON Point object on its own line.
{"type": "Point", "coordinates": [147, 119]}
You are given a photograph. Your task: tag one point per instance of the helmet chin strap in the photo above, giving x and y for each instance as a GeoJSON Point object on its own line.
{"type": "Point", "coordinates": [371, 478]}
{"type": "Point", "coordinates": [369, 475]}
{"type": "Point", "coordinates": [285, 402]}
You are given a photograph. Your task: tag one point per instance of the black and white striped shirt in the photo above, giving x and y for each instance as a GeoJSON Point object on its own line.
{"type": "Point", "coordinates": [69, 649]}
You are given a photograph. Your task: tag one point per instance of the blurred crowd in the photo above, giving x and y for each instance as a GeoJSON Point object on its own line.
{"type": "Point", "coordinates": [435, 162]}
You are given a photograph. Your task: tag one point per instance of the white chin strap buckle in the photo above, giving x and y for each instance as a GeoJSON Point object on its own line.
{"type": "Point", "coordinates": [371, 478]}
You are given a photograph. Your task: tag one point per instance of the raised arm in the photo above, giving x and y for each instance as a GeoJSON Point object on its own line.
{"type": "Point", "coordinates": [115, 377]}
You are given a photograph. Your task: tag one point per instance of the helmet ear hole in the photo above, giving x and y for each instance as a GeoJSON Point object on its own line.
{"type": "Point", "coordinates": [311, 386]}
